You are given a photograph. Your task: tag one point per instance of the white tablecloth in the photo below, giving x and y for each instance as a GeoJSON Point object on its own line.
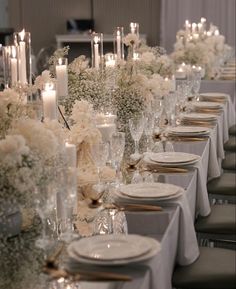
{"type": "Point", "coordinates": [224, 86]}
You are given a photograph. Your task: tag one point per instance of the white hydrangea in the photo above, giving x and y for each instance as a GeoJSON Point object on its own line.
{"type": "Point", "coordinates": [42, 79]}
{"type": "Point", "coordinates": [39, 139]}
{"type": "Point", "coordinates": [131, 39]}
{"type": "Point", "coordinates": [12, 148]}
{"type": "Point", "coordinates": [84, 128]}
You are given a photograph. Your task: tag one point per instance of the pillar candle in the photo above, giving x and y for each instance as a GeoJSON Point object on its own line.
{"type": "Point", "coordinates": [49, 102]}
{"type": "Point", "coordinates": [71, 155]}
{"type": "Point", "coordinates": [96, 52]}
{"type": "Point", "coordinates": [62, 79]}
{"type": "Point", "coordinates": [13, 61]}
{"type": "Point", "coordinates": [22, 58]}
{"type": "Point", "coordinates": [118, 43]}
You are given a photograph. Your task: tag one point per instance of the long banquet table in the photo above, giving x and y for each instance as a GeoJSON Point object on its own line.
{"type": "Point", "coordinates": [224, 86]}
{"type": "Point", "coordinates": [174, 226]}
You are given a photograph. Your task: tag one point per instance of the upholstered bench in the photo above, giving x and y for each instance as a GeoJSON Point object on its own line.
{"type": "Point", "coordinates": [214, 269]}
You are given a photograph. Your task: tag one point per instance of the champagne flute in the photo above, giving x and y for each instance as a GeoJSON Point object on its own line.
{"type": "Point", "coordinates": [148, 129]}
{"type": "Point", "coordinates": [136, 126]}
{"type": "Point", "coordinates": [196, 80]}
{"type": "Point", "coordinates": [100, 154]}
{"type": "Point", "coordinates": [117, 151]}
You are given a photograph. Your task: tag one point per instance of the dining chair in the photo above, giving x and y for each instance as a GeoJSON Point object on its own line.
{"type": "Point", "coordinates": [223, 188]}
{"type": "Point", "coordinates": [214, 269]}
{"type": "Point", "coordinates": [219, 227]}
{"type": "Point", "coordinates": [230, 145]}
{"type": "Point", "coordinates": [229, 162]}
{"type": "Point", "coordinates": [232, 130]}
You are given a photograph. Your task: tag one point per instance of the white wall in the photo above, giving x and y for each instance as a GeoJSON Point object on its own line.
{"type": "Point", "coordinates": [46, 18]}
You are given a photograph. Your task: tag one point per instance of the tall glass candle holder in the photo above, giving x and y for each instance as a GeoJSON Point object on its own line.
{"type": "Point", "coordinates": [134, 28]}
{"type": "Point", "coordinates": [62, 78]}
{"type": "Point", "coordinates": [97, 50]}
{"type": "Point", "coordinates": [49, 101]}
{"type": "Point", "coordinates": [118, 43]}
{"type": "Point", "coordinates": [110, 60]}
{"type": "Point", "coordinates": [13, 66]}
{"type": "Point", "coordinates": [22, 41]}
{"type": "Point", "coordinates": [6, 52]}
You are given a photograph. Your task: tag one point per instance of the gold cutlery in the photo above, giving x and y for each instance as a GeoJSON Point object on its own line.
{"type": "Point", "coordinates": [133, 207]}
{"type": "Point", "coordinates": [91, 276]}
{"type": "Point", "coordinates": [161, 169]}
{"type": "Point", "coordinates": [186, 139]}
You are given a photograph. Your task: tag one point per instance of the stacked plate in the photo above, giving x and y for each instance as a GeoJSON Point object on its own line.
{"type": "Point", "coordinates": [173, 159]}
{"type": "Point", "coordinates": [213, 96]}
{"type": "Point", "coordinates": [229, 71]}
{"type": "Point", "coordinates": [147, 193]}
{"type": "Point", "coordinates": [107, 250]}
{"type": "Point", "coordinates": [199, 118]}
{"type": "Point", "coordinates": [188, 131]}
{"type": "Point", "coordinates": [207, 104]}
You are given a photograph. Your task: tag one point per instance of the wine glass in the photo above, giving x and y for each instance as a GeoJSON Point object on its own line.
{"type": "Point", "coordinates": [136, 126]}
{"type": "Point", "coordinates": [117, 151]}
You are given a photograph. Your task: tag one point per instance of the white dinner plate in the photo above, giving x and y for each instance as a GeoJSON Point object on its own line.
{"type": "Point", "coordinates": [200, 116]}
{"type": "Point", "coordinates": [207, 104]}
{"type": "Point", "coordinates": [188, 130]}
{"type": "Point", "coordinates": [217, 95]}
{"type": "Point", "coordinates": [149, 190]}
{"type": "Point", "coordinates": [120, 198]}
{"type": "Point", "coordinates": [154, 248]}
{"type": "Point", "coordinates": [173, 157]}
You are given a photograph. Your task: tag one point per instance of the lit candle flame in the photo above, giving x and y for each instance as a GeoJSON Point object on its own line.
{"type": "Point", "coordinates": [96, 39]}
{"type": "Point", "coordinates": [49, 86]}
{"type": "Point", "coordinates": [22, 35]}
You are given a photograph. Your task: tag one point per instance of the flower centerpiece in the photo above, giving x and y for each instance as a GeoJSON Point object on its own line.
{"type": "Point", "coordinates": [197, 46]}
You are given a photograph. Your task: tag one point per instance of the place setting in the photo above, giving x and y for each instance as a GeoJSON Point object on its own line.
{"type": "Point", "coordinates": [188, 133]}
{"type": "Point", "coordinates": [147, 193]}
{"type": "Point", "coordinates": [199, 119]}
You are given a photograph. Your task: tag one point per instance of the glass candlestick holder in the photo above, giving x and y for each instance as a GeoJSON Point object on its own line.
{"type": "Point", "coordinates": [134, 28]}
{"type": "Point", "coordinates": [22, 41]}
{"type": "Point", "coordinates": [118, 43]}
{"type": "Point", "coordinates": [6, 52]}
{"type": "Point", "coordinates": [97, 50]}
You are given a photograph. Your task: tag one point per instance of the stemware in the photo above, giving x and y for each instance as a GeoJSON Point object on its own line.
{"type": "Point", "coordinates": [196, 83]}
{"type": "Point", "coordinates": [45, 204]}
{"type": "Point", "coordinates": [136, 126]}
{"type": "Point", "coordinates": [117, 151]}
{"type": "Point", "coordinates": [148, 129]}
{"type": "Point", "coordinates": [100, 154]}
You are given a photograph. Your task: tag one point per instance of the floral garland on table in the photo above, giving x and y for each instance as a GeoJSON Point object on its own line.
{"type": "Point", "coordinates": [208, 50]}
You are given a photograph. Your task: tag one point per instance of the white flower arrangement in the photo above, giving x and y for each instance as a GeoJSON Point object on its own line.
{"type": "Point", "coordinates": [131, 40]}
{"type": "Point", "coordinates": [205, 49]}
{"type": "Point", "coordinates": [153, 60]}
{"type": "Point", "coordinates": [84, 129]}
{"type": "Point", "coordinates": [11, 108]}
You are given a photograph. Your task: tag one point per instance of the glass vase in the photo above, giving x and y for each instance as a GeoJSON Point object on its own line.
{"type": "Point", "coordinates": [22, 41]}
